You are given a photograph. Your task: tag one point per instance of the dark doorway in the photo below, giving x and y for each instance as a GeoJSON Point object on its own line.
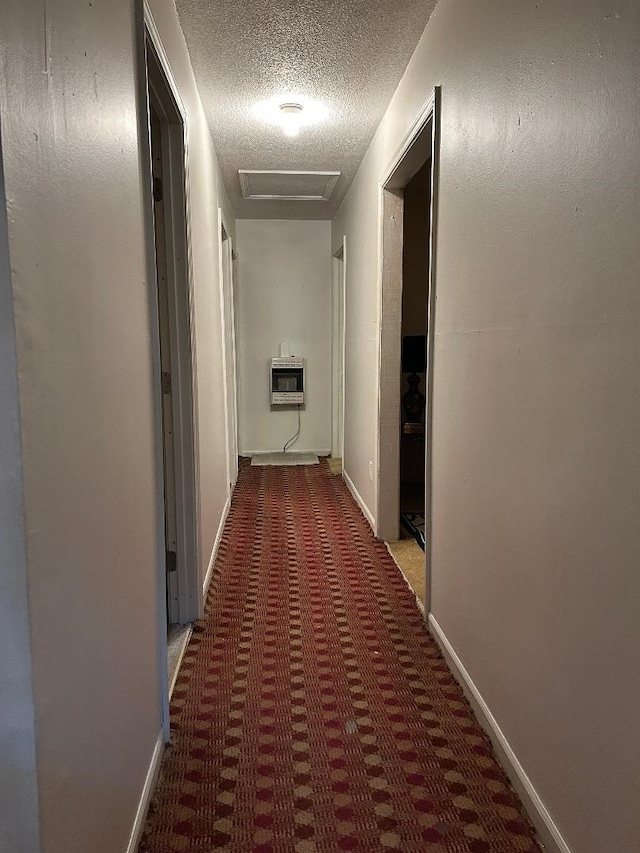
{"type": "Point", "coordinates": [415, 297]}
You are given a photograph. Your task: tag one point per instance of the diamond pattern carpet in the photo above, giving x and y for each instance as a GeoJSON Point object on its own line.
{"type": "Point", "coordinates": [313, 712]}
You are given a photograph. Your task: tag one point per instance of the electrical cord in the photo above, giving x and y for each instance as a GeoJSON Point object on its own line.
{"type": "Point", "coordinates": [295, 436]}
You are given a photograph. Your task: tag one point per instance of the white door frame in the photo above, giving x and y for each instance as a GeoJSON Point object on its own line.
{"type": "Point", "coordinates": [226, 257]}
{"type": "Point", "coordinates": [420, 143]}
{"type": "Point", "coordinates": [338, 313]}
{"type": "Point", "coordinates": [151, 54]}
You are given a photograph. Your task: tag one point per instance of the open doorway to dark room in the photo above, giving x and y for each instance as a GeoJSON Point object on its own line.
{"type": "Point", "coordinates": [415, 296]}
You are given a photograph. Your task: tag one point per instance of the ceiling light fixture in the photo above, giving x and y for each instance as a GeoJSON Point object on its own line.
{"type": "Point", "coordinates": [291, 111]}
{"type": "Point", "coordinates": [290, 118]}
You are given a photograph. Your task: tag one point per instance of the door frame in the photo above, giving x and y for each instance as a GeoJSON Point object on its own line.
{"type": "Point", "coordinates": [421, 142]}
{"type": "Point", "coordinates": [154, 74]}
{"type": "Point", "coordinates": [338, 347]}
{"type": "Point", "coordinates": [226, 266]}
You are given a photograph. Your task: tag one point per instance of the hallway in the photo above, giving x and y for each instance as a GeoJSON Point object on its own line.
{"type": "Point", "coordinates": [313, 712]}
{"type": "Point", "coordinates": [190, 190]}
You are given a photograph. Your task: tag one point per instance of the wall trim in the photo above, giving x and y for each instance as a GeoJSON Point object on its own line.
{"type": "Point", "coordinates": [417, 126]}
{"type": "Point", "coordinates": [224, 325]}
{"type": "Point", "coordinates": [147, 792]}
{"type": "Point", "coordinates": [338, 346]}
{"type": "Point", "coordinates": [249, 453]}
{"type": "Point", "coordinates": [358, 499]}
{"type": "Point", "coordinates": [214, 552]}
{"type": "Point", "coordinates": [154, 33]}
{"type": "Point", "coordinates": [181, 294]}
{"type": "Point", "coordinates": [418, 146]}
{"type": "Point", "coordinates": [546, 827]}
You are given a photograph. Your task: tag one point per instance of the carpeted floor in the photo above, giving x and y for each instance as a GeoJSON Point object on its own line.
{"type": "Point", "coordinates": [313, 712]}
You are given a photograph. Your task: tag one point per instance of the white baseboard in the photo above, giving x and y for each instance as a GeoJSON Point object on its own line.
{"type": "Point", "coordinates": [294, 449]}
{"type": "Point", "coordinates": [547, 829]}
{"type": "Point", "coordinates": [356, 496]}
{"type": "Point", "coordinates": [214, 550]}
{"type": "Point", "coordinates": [147, 793]}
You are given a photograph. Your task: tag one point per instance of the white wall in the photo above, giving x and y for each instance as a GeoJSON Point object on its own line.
{"type": "Point", "coordinates": [536, 472]}
{"type": "Point", "coordinates": [284, 294]}
{"type": "Point", "coordinates": [70, 112]}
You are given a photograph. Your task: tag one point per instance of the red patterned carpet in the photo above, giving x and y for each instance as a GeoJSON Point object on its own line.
{"type": "Point", "coordinates": [313, 712]}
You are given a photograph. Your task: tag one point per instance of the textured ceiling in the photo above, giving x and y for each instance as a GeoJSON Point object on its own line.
{"type": "Point", "coordinates": [349, 55]}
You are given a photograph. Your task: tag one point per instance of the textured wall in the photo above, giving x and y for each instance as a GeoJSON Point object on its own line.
{"type": "Point", "coordinates": [68, 95]}
{"type": "Point", "coordinates": [284, 294]}
{"type": "Point", "coordinates": [70, 140]}
{"type": "Point", "coordinates": [537, 364]}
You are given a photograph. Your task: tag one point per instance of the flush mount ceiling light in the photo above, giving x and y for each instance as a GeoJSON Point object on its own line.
{"type": "Point", "coordinates": [290, 118]}
{"type": "Point", "coordinates": [291, 112]}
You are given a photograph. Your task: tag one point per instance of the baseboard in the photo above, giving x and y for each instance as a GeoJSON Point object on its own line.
{"type": "Point", "coordinates": [295, 449]}
{"type": "Point", "coordinates": [214, 550]}
{"type": "Point", "coordinates": [356, 496]}
{"type": "Point", "coordinates": [147, 793]}
{"type": "Point", "coordinates": [548, 832]}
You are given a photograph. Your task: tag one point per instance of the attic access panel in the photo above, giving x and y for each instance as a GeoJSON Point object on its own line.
{"type": "Point", "coordinates": [287, 185]}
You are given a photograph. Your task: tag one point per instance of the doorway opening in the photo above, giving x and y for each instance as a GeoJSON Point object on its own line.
{"type": "Point", "coordinates": [229, 361]}
{"type": "Point", "coordinates": [338, 298]}
{"type": "Point", "coordinates": [416, 223]}
{"type": "Point", "coordinates": [406, 341]}
{"type": "Point", "coordinates": [173, 344]}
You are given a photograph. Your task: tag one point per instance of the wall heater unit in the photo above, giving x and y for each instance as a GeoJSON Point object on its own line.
{"type": "Point", "coordinates": [286, 381]}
